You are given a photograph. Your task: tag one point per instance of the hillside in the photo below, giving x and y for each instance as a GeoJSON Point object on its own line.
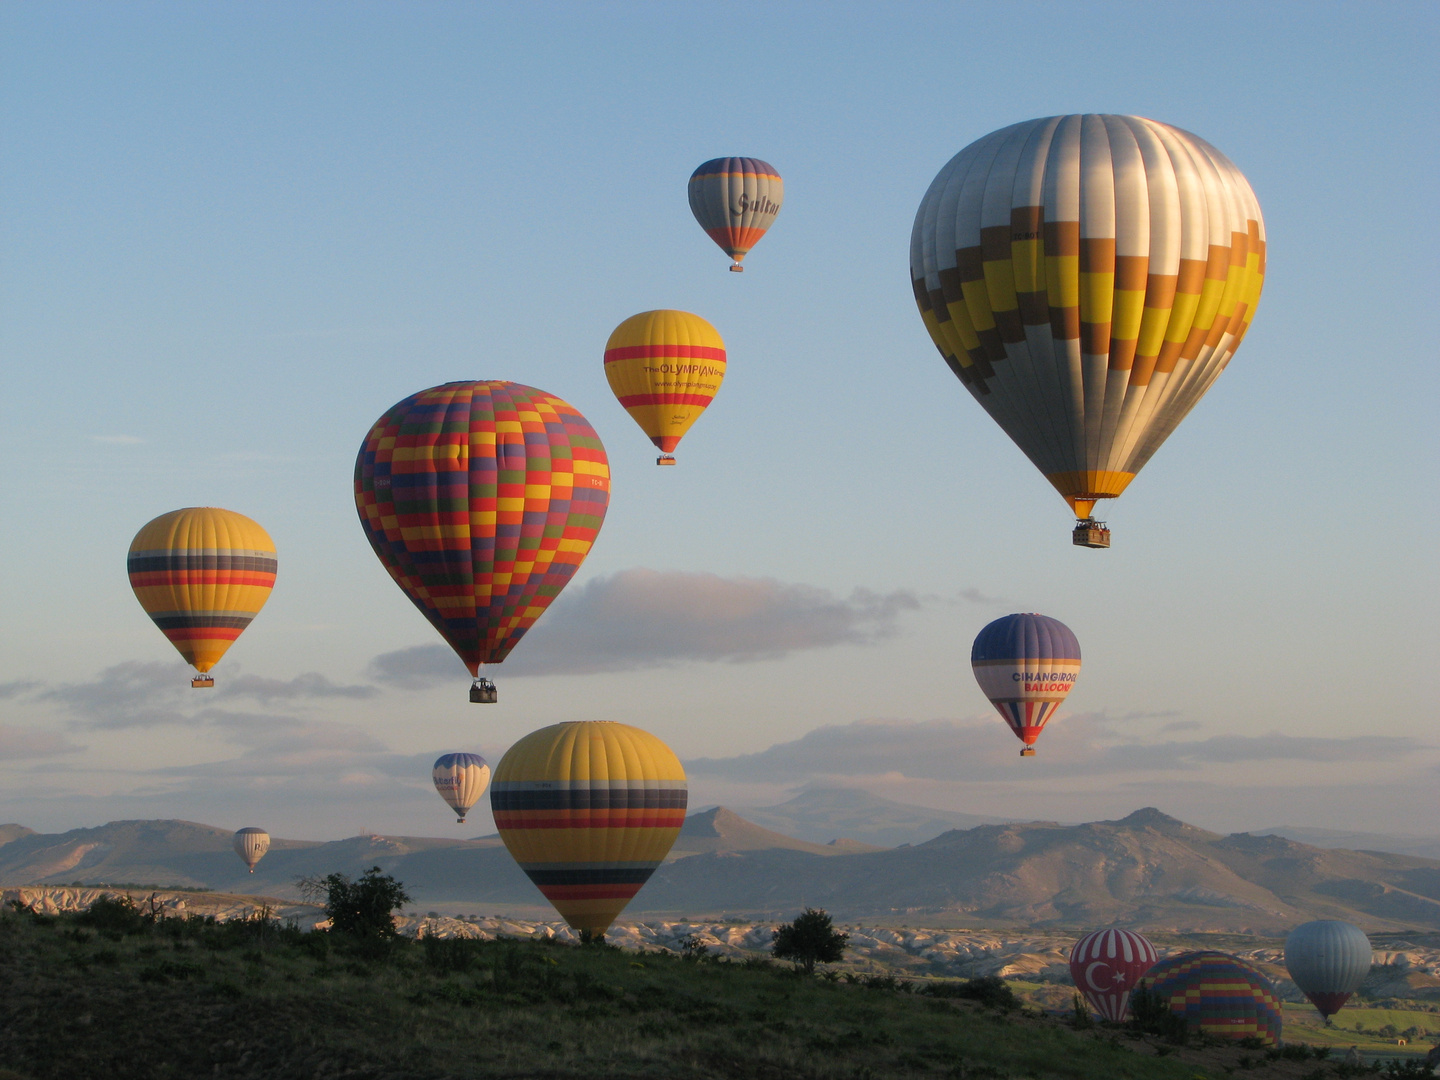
{"type": "Point", "coordinates": [823, 814]}
{"type": "Point", "coordinates": [1147, 870]}
{"type": "Point", "coordinates": [129, 1000]}
{"type": "Point", "coordinates": [719, 829]}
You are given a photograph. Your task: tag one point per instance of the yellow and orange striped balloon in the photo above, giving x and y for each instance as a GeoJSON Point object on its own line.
{"type": "Point", "coordinates": [589, 809]}
{"type": "Point", "coordinates": [665, 367]}
{"type": "Point", "coordinates": [202, 574]}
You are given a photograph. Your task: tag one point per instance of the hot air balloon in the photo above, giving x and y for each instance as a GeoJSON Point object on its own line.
{"type": "Point", "coordinates": [1026, 665]}
{"type": "Point", "coordinates": [664, 367]}
{"type": "Point", "coordinates": [202, 574]}
{"type": "Point", "coordinates": [1328, 959]}
{"type": "Point", "coordinates": [1106, 965]}
{"type": "Point", "coordinates": [251, 845]}
{"type": "Point", "coordinates": [589, 809]}
{"type": "Point", "coordinates": [1088, 278]}
{"type": "Point", "coordinates": [482, 499]}
{"type": "Point", "coordinates": [1218, 995]}
{"type": "Point", "coordinates": [460, 779]}
{"type": "Point", "coordinates": [735, 200]}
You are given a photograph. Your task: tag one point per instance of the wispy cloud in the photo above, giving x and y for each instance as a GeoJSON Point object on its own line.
{"type": "Point", "coordinates": [18, 687]}
{"type": "Point", "coordinates": [17, 743]}
{"type": "Point", "coordinates": [650, 618]}
{"type": "Point", "coordinates": [146, 693]}
{"type": "Point", "coordinates": [307, 686]}
{"type": "Point", "coordinates": [973, 750]}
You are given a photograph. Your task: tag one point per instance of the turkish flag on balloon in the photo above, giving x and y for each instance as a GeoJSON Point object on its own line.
{"type": "Point", "coordinates": [1106, 965]}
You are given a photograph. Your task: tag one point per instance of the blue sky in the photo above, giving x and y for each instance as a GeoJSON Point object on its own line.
{"type": "Point", "coordinates": [233, 234]}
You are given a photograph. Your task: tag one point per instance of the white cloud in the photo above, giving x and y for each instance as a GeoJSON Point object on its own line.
{"type": "Point", "coordinates": [649, 618]}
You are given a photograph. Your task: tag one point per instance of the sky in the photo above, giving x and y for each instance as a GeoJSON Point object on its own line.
{"type": "Point", "coordinates": [233, 234]}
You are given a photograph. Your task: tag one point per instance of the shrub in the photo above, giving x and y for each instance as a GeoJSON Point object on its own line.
{"type": "Point", "coordinates": [991, 991]}
{"type": "Point", "coordinates": [811, 939]}
{"type": "Point", "coordinates": [115, 914]}
{"type": "Point", "coordinates": [364, 908]}
{"type": "Point", "coordinates": [1151, 1014]}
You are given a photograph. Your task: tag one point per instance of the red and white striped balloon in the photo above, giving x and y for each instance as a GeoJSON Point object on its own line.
{"type": "Point", "coordinates": [1106, 965]}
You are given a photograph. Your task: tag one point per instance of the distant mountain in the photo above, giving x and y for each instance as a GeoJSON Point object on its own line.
{"type": "Point", "coordinates": [1146, 870]}
{"type": "Point", "coordinates": [13, 832]}
{"type": "Point", "coordinates": [824, 814]}
{"type": "Point", "coordinates": [719, 830]}
{"type": "Point", "coordinates": [1422, 847]}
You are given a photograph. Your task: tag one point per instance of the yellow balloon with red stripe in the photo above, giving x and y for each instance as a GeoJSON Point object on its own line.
{"type": "Point", "coordinates": [589, 809]}
{"type": "Point", "coordinates": [202, 574]}
{"type": "Point", "coordinates": [665, 367]}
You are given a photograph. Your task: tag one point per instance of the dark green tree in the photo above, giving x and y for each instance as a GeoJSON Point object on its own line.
{"type": "Point", "coordinates": [811, 939]}
{"type": "Point", "coordinates": [364, 908]}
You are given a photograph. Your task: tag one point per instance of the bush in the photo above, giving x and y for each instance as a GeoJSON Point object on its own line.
{"type": "Point", "coordinates": [1151, 1015]}
{"type": "Point", "coordinates": [364, 908]}
{"type": "Point", "coordinates": [811, 939]}
{"type": "Point", "coordinates": [114, 914]}
{"type": "Point", "coordinates": [991, 991]}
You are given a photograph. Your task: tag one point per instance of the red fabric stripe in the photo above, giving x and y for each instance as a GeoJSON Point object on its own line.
{"type": "Point", "coordinates": [629, 401]}
{"type": "Point", "coordinates": [590, 819]}
{"type": "Point", "coordinates": [201, 577]}
{"type": "Point", "coordinates": [664, 352]}
{"type": "Point", "coordinates": [203, 633]}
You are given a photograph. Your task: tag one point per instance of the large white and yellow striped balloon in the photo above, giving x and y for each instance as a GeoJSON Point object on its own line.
{"type": "Point", "coordinates": [1088, 278]}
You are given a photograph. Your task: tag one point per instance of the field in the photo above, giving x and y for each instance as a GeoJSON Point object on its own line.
{"type": "Point", "coordinates": [110, 994]}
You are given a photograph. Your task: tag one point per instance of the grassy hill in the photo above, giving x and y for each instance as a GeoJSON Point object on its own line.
{"type": "Point", "coordinates": [122, 999]}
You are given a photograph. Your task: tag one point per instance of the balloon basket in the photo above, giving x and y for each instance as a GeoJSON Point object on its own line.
{"type": "Point", "coordinates": [1091, 534]}
{"type": "Point", "coordinates": [202, 681]}
{"type": "Point", "coordinates": [483, 692]}
{"type": "Point", "coordinates": [664, 459]}
{"type": "Point", "coordinates": [1029, 751]}
{"type": "Point", "coordinates": [737, 269]}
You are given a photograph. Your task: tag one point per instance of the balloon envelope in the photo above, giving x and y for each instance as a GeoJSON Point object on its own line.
{"type": "Point", "coordinates": [1088, 278]}
{"type": "Point", "coordinates": [202, 574]}
{"type": "Point", "coordinates": [1106, 965]}
{"type": "Point", "coordinates": [460, 779]}
{"type": "Point", "coordinates": [735, 200]}
{"type": "Point", "coordinates": [482, 499]}
{"type": "Point", "coordinates": [665, 367]}
{"type": "Point", "coordinates": [589, 809]}
{"type": "Point", "coordinates": [1328, 959]}
{"type": "Point", "coordinates": [1218, 995]}
{"type": "Point", "coordinates": [1026, 664]}
{"type": "Point", "coordinates": [251, 845]}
